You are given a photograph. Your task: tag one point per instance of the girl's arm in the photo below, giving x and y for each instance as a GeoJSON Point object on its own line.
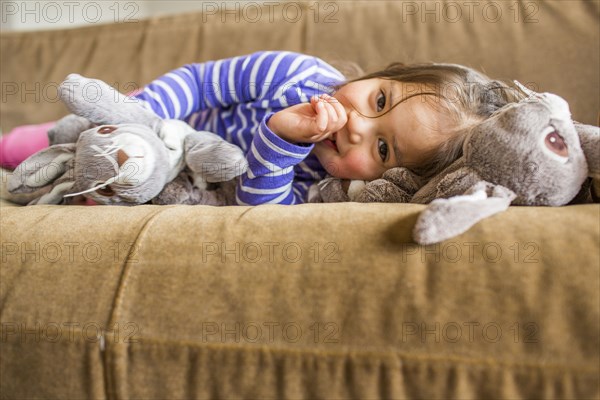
{"type": "Point", "coordinates": [279, 146]}
{"type": "Point", "coordinates": [270, 177]}
{"type": "Point", "coordinates": [261, 76]}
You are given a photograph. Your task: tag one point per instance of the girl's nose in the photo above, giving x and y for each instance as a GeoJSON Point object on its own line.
{"type": "Point", "coordinates": [358, 127]}
{"type": "Point", "coordinates": [354, 137]}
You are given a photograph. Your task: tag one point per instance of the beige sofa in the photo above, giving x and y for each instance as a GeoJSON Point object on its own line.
{"type": "Point", "coordinates": [315, 300]}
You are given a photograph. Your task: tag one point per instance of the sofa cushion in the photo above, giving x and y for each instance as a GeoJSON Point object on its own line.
{"type": "Point", "coordinates": [315, 300]}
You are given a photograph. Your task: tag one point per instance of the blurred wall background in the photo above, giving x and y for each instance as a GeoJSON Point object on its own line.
{"type": "Point", "coordinates": [28, 15]}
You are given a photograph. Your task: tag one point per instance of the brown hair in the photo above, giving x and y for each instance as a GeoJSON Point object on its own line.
{"type": "Point", "coordinates": [468, 96]}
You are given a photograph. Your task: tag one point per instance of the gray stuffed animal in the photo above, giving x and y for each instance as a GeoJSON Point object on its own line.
{"type": "Point", "coordinates": [526, 153]}
{"type": "Point", "coordinates": [114, 151]}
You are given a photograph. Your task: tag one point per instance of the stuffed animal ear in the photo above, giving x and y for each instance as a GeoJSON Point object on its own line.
{"type": "Point", "coordinates": [101, 104]}
{"type": "Point", "coordinates": [67, 129]}
{"type": "Point", "coordinates": [41, 168]}
{"type": "Point", "coordinates": [51, 169]}
{"type": "Point", "coordinates": [446, 218]}
{"type": "Point", "coordinates": [210, 156]}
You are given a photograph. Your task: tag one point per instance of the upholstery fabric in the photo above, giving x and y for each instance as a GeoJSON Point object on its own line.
{"type": "Point", "coordinates": [209, 302]}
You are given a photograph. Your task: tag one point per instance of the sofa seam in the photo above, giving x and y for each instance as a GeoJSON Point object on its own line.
{"type": "Point", "coordinates": [364, 353]}
{"type": "Point", "coordinates": [126, 273]}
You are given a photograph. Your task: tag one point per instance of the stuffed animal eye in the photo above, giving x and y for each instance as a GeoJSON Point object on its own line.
{"type": "Point", "coordinates": [105, 191]}
{"type": "Point", "coordinates": [107, 129]}
{"type": "Point", "coordinates": [555, 143]}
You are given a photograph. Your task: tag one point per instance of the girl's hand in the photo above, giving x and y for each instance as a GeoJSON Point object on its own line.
{"type": "Point", "coordinates": [309, 122]}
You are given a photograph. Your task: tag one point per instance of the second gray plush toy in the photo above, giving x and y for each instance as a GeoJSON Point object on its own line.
{"type": "Point", "coordinates": [527, 153]}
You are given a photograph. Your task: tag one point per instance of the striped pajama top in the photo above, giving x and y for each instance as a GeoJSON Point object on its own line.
{"type": "Point", "coordinates": [235, 98]}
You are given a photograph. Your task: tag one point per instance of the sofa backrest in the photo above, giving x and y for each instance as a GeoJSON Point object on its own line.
{"type": "Point", "coordinates": [547, 45]}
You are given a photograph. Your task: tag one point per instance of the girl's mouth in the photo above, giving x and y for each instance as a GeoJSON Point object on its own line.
{"type": "Point", "coordinates": [331, 142]}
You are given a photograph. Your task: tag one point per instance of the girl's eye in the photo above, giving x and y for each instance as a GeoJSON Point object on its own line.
{"type": "Point", "coordinates": [383, 150]}
{"type": "Point", "coordinates": [379, 103]}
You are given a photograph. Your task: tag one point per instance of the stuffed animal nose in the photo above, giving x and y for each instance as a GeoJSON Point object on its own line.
{"type": "Point", "coordinates": [121, 157]}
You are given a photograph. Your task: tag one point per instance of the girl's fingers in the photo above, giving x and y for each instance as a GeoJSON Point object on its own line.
{"type": "Point", "coordinates": [327, 109]}
{"type": "Point", "coordinates": [322, 116]}
{"type": "Point", "coordinates": [329, 114]}
{"type": "Point", "coordinates": [333, 117]}
{"type": "Point", "coordinates": [340, 113]}
{"type": "Point", "coordinates": [314, 100]}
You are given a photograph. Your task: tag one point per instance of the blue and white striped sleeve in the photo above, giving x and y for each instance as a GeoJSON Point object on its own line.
{"type": "Point", "coordinates": [270, 175]}
{"type": "Point", "coordinates": [263, 75]}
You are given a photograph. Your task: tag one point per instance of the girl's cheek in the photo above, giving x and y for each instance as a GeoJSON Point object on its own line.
{"type": "Point", "coordinates": [361, 166]}
{"type": "Point", "coordinates": [354, 165]}
{"type": "Point", "coordinates": [332, 165]}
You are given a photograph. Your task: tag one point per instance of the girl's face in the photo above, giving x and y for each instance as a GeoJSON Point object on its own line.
{"type": "Point", "coordinates": [366, 147]}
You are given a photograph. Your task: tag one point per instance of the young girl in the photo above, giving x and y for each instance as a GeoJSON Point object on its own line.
{"type": "Point", "coordinates": [297, 118]}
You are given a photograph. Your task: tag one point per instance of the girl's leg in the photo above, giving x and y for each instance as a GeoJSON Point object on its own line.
{"type": "Point", "coordinates": [22, 142]}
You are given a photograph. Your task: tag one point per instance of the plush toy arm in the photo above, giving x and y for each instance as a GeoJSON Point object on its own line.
{"type": "Point", "coordinates": [51, 171]}
{"type": "Point", "coordinates": [454, 181]}
{"type": "Point", "coordinates": [335, 190]}
{"type": "Point", "coordinates": [446, 218]}
{"type": "Point", "coordinates": [397, 185]}
{"type": "Point", "coordinates": [181, 190]}
{"type": "Point", "coordinates": [214, 159]}
{"type": "Point", "coordinates": [101, 104]}
{"type": "Point", "coordinates": [314, 194]}
{"type": "Point", "coordinates": [328, 190]}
